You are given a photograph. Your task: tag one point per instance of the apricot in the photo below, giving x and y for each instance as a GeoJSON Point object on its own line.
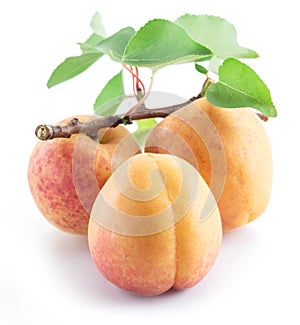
{"type": "Point", "coordinates": [230, 149]}
{"type": "Point", "coordinates": [154, 226]}
{"type": "Point", "coordinates": [65, 175]}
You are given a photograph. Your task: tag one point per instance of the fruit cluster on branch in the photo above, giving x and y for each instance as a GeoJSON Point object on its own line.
{"type": "Point", "coordinates": [155, 219]}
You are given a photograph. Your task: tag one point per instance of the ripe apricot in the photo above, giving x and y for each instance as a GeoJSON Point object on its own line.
{"type": "Point", "coordinates": [65, 175]}
{"type": "Point", "coordinates": [230, 149]}
{"type": "Point", "coordinates": [155, 225]}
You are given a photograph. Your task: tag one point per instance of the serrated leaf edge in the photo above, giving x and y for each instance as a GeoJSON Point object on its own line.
{"type": "Point", "coordinates": [254, 53]}
{"type": "Point", "coordinates": [272, 106]}
{"type": "Point", "coordinates": [169, 59]}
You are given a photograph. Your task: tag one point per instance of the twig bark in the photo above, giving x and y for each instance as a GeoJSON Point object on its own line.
{"type": "Point", "coordinates": [91, 128]}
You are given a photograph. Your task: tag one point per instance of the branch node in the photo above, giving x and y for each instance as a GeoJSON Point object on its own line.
{"type": "Point", "coordinates": [126, 119]}
{"type": "Point", "coordinates": [74, 121]}
{"type": "Point", "coordinates": [91, 128]}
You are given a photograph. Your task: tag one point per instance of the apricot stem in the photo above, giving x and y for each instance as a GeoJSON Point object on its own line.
{"type": "Point", "coordinates": [207, 83]}
{"type": "Point", "coordinates": [138, 85]}
{"type": "Point", "coordinates": [141, 103]}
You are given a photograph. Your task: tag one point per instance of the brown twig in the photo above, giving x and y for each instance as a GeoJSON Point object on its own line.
{"type": "Point", "coordinates": [91, 128]}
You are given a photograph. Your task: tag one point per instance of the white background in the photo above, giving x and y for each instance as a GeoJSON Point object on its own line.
{"type": "Point", "coordinates": [47, 276]}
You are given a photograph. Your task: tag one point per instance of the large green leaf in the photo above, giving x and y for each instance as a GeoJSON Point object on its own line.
{"type": "Point", "coordinates": [215, 33]}
{"type": "Point", "coordinates": [240, 86]}
{"type": "Point", "coordinates": [161, 42]}
{"type": "Point", "coordinates": [72, 67]}
{"type": "Point", "coordinates": [115, 45]}
{"type": "Point", "coordinates": [111, 96]}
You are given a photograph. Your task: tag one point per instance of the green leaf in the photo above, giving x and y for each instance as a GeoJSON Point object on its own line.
{"type": "Point", "coordinates": [215, 33]}
{"type": "Point", "coordinates": [144, 127]}
{"type": "Point", "coordinates": [146, 123]}
{"type": "Point", "coordinates": [93, 49]}
{"type": "Point", "coordinates": [115, 45]}
{"type": "Point", "coordinates": [89, 46]}
{"type": "Point", "coordinates": [200, 68]}
{"type": "Point", "coordinates": [214, 64]}
{"type": "Point", "coordinates": [111, 96]}
{"type": "Point", "coordinates": [97, 25]}
{"type": "Point", "coordinates": [94, 39]}
{"type": "Point", "coordinates": [98, 35]}
{"type": "Point", "coordinates": [240, 86]}
{"type": "Point", "coordinates": [72, 67]}
{"type": "Point", "coordinates": [161, 42]}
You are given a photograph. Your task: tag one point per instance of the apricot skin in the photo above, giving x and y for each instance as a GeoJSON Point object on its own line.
{"type": "Point", "coordinates": [65, 175]}
{"type": "Point", "coordinates": [150, 255]}
{"type": "Point", "coordinates": [244, 191]}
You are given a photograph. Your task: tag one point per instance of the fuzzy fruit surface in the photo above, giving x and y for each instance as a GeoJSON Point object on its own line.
{"type": "Point", "coordinates": [149, 230]}
{"type": "Point", "coordinates": [230, 149]}
{"type": "Point", "coordinates": [65, 175]}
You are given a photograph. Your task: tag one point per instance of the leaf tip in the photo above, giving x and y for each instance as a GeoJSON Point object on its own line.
{"type": "Point", "coordinates": [273, 112]}
{"type": "Point", "coordinates": [50, 83]}
{"type": "Point", "coordinates": [97, 25]}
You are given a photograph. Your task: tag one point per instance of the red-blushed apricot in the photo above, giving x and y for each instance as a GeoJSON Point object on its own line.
{"type": "Point", "coordinates": [65, 175]}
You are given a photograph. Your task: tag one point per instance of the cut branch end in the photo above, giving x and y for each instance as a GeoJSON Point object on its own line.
{"type": "Point", "coordinates": [44, 132]}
